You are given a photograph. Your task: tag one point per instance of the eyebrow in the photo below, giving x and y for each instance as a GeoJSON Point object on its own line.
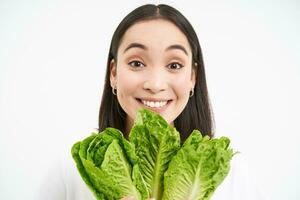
{"type": "Point", "coordinates": [141, 46]}
{"type": "Point", "coordinates": [177, 46]}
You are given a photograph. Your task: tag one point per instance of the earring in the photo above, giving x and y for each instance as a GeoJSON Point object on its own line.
{"type": "Point", "coordinates": [192, 92]}
{"type": "Point", "coordinates": [114, 91]}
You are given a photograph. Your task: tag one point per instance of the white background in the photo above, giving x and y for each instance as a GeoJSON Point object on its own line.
{"type": "Point", "coordinates": [52, 64]}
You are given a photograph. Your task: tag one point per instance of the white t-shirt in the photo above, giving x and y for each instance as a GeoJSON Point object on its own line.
{"type": "Point", "coordinates": [65, 183]}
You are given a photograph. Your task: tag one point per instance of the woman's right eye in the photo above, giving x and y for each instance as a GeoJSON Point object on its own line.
{"type": "Point", "coordinates": [136, 64]}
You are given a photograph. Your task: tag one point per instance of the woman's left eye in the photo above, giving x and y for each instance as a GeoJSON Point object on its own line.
{"type": "Point", "coordinates": [175, 65]}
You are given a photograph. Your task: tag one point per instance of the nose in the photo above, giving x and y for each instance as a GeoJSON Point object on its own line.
{"type": "Point", "coordinates": [155, 81]}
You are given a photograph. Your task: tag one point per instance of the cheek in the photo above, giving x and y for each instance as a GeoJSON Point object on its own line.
{"type": "Point", "coordinates": [182, 86]}
{"type": "Point", "coordinates": [127, 82]}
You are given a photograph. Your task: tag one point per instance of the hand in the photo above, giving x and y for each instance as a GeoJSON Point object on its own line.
{"type": "Point", "coordinates": [127, 198]}
{"type": "Point", "coordinates": [132, 198]}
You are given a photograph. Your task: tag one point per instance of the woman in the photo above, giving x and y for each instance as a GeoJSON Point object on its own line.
{"type": "Point", "coordinates": [155, 56]}
{"type": "Point", "coordinates": [154, 62]}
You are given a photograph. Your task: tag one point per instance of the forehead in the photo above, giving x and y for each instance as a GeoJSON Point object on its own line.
{"type": "Point", "coordinates": [155, 33]}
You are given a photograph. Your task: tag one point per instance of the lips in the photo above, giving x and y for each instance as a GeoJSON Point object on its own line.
{"type": "Point", "coordinates": [154, 104]}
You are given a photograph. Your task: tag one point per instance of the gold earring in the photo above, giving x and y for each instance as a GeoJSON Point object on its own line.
{"type": "Point", "coordinates": [114, 90]}
{"type": "Point", "coordinates": [192, 92]}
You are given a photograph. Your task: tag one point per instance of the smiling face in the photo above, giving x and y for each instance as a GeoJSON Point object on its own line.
{"type": "Point", "coordinates": [153, 70]}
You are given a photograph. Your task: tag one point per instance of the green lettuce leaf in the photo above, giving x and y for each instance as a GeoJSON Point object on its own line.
{"type": "Point", "coordinates": [198, 168]}
{"type": "Point", "coordinates": [108, 165]}
{"type": "Point", "coordinates": [155, 142]}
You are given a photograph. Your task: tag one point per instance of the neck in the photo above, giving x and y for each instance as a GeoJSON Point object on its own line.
{"type": "Point", "coordinates": [129, 124]}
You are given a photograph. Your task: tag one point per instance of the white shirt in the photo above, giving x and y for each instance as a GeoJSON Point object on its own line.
{"type": "Point", "coordinates": [65, 183]}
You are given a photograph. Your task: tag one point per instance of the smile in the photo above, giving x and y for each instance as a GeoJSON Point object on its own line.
{"type": "Point", "coordinates": [154, 104]}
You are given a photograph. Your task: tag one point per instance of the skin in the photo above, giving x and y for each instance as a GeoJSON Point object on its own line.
{"type": "Point", "coordinates": [152, 71]}
{"type": "Point", "coordinates": [131, 198]}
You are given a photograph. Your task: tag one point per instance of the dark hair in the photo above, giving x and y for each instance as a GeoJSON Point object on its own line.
{"type": "Point", "coordinates": [198, 113]}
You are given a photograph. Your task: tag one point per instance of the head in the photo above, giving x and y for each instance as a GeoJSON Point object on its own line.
{"type": "Point", "coordinates": [155, 62]}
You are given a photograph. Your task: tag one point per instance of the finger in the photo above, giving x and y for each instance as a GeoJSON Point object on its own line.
{"type": "Point", "coordinates": [127, 198]}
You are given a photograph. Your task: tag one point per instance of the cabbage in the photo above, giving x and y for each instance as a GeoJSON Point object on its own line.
{"type": "Point", "coordinates": [152, 163]}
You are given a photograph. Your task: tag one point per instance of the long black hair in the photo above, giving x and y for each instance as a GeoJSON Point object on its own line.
{"type": "Point", "coordinates": [198, 113]}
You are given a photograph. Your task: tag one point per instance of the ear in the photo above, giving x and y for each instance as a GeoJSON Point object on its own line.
{"type": "Point", "coordinates": [113, 73]}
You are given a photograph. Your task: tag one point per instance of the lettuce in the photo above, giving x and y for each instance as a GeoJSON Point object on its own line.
{"type": "Point", "coordinates": [108, 165]}
{"type": "Point", "coordinates": [155, 144]}
{"type": "Point", "coordinates": [198, 168]}
{"type": "Point", "coordinates": [152, 163]}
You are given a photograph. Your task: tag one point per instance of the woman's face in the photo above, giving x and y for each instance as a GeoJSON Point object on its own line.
{"type": "Point", "coordinates": [153, 70]}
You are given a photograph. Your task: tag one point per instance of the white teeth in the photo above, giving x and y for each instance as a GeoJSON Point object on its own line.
{"type": "Point", "coordinates": [154, 104]}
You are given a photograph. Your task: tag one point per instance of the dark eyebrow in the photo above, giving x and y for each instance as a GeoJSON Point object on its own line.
{"type": "Point", "coordinates": [177, 46]}
{"type": "Point", "coordinates": [135, 45]}
{"type": "Point", "coordinates": [141, 46]}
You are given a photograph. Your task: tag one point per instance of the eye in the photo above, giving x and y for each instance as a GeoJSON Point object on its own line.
{"type": "Point", "coordinates": [136, 64]}
{"type": "Point", "coordinates": [175, 65]}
